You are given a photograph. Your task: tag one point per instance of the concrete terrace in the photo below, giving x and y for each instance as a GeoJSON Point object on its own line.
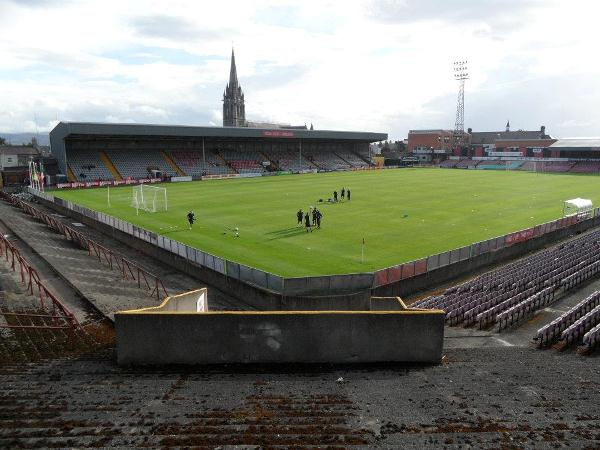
{"type": "Point", "coordinates": [90, 278]}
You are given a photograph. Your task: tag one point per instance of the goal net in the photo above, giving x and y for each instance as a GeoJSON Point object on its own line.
{"type": "Point", "coordinates": [149, 198]}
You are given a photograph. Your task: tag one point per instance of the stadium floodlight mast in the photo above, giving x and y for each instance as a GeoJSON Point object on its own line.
{"type": "Point", "coordinates": [460, 74]}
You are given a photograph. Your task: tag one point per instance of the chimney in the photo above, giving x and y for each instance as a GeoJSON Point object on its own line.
{"type": "Point", "coordinates": [542, 131]}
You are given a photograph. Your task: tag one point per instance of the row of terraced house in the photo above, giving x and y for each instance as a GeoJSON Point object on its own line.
{"type": "Point", "coordinates": [533, 150]}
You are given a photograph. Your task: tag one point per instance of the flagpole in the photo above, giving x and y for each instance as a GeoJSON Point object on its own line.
{"type": "Point", "coordinates": [37, 176]}
{"type": "Point", "coordinates": [362, 252]}
{"type": "Point", "coordinates": [30, 175]}
{"type": "Point", "coordinates": [42, 176]}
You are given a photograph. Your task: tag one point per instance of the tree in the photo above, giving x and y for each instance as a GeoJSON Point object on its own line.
{"type": "Point", "coordinates": [2, 141]}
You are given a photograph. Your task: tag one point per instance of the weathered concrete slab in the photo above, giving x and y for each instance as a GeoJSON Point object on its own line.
{"type": "Point", "coordinates": [156, 337]}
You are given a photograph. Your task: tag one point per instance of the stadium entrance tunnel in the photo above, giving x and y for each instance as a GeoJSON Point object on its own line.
{"type": "Point", "coordinates": [183, 330]}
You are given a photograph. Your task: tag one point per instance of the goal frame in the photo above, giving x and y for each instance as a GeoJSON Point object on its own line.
{"type": "Point", "coordinates": [149, 198]}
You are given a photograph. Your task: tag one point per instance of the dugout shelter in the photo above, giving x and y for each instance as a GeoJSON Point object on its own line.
{"type": "Point", "coordinates": [580, 207]}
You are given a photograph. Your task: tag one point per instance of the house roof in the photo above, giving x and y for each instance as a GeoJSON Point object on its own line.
{"type": "Point", "coordinates": [577, 143]}
{"type": "Point", "coordinates": [65, 129]}
{"type": "Point", "coordinates": [433, 131]}
{"type": "Point", "coordinates": [490, 137]}
{"type": "Point", "coordinates": [18, 150]}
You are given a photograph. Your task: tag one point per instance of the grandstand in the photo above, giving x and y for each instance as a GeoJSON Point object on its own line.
{"type": "Point", "coordinates": [195, 165]}
{"type": "Point", "coordinates": [97, 151]}
{"type": "Point", "coordinates": [243, 162]}
{"type": "Point", "coordinates": [581, 155]}
{"type": "Point", "coordinates": [529, 165]}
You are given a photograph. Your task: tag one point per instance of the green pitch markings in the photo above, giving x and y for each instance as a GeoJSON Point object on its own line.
{"type": "Point", "coordinates": [401, 214]}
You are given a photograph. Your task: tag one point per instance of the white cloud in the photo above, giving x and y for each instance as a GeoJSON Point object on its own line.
{"type": "Point", "coordinates": [378, 65]}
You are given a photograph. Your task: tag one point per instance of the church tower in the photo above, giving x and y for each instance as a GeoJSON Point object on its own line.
{"type": "Point", "coordinates": [234, 111]}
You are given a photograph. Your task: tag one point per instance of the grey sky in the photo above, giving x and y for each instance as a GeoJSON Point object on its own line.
{"type": "Point", "coordinates": [380, 65]}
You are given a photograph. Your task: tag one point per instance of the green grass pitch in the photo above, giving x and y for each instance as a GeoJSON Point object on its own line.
{"type": "Point", "coordinates": [403, 214]}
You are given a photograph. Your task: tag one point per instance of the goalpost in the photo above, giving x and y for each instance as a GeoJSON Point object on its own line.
{"type": "Point", "coordinates": [149, 198]}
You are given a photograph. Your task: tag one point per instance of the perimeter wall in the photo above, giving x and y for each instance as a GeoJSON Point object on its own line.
{"type": "Point", "coordinates": [268, 291]}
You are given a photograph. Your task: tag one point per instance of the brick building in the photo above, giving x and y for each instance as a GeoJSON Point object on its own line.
{"type": "Point", "coordinates": [428, 145]}
{"type": "Point", "coordinates": [509, 143]}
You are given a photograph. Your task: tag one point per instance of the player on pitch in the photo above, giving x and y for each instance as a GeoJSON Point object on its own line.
{"type": "Point", "coordinates": [191, 218]}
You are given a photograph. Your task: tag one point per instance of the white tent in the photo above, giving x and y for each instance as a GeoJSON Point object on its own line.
{"type": "Point", "coordinates": [581, 207]}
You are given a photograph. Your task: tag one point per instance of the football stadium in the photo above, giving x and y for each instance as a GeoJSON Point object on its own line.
{"type": "Point", "coordinates": [265, 285]}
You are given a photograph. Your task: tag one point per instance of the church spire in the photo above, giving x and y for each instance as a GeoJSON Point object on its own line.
{"type": "Point", "coordinates": [233, 81]}
{"type": "Point", "coordinates": [234, 110]}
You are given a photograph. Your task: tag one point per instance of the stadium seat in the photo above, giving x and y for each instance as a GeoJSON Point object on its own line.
{"type": "Point", "coordinates": [510, 293]}
{"type": "Point", "coordinates": [88, 166]}
{"type": "Point", "coordinates": [136, 163]}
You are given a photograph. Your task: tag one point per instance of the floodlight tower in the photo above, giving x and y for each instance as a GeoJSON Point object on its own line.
{"type": "Point", "coordinates": [460, 74]}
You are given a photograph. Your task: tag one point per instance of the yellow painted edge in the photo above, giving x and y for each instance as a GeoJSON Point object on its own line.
{"type": "Point", "coordinates": [152, 311]}
{"type": "Point", "coordinates": [157, 309]}
{"type": "Point", "coordinates": [165, 301]}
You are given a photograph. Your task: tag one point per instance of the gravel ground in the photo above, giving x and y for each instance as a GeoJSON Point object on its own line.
{"type": "Point", "coordinates": [506, 397]}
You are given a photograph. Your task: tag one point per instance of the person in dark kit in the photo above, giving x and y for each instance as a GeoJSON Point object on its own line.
{"type": "Point", "coordinates": [307, 222]}
{"type": "Point", "coordinates": [190, 219]}
{"type": "Point", "coordinates": [335, 196]}
{"type": "Point", "coordinates": [319, 215]}
{"type": "Point", "coordinates": [348, 191]}
{"type": "Point", "coordinates": [343, 193]}
{"type": "Point", "coordinates": [314, 216]}
{"type": "Point", "coordinates": [299, 216]}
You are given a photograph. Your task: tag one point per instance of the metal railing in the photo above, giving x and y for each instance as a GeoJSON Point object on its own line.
{"type": "Point", "coordinates": [128, 269]}
{"type": "Point", "coordinates": [53, 314]}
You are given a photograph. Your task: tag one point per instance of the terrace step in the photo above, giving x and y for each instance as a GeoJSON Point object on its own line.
{"type": "Point", "coordinates": [110, 166]}
{"type": "Point", "coordinates": [172, 163]}
{"type": "Point", "coordinates": [70, 175]}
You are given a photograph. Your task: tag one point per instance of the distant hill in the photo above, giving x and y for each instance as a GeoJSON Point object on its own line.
{"type": "Point", "coordinates": [25, 138]}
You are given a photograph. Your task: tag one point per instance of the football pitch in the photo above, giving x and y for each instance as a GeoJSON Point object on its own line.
{"type": "Point", "coordinates": [402, 214]}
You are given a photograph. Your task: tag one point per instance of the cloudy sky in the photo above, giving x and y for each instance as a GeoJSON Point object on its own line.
{"type": "Point", "coordinates": [376, 65]}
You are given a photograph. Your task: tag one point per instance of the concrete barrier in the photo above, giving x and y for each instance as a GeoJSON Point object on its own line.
{"type": "Point", "coordinates": [387, 304]}
{"type": "Point", "coordinates": [158, 336]}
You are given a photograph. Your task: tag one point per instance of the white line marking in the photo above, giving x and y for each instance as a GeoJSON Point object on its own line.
{"type": "Point", "coordinates": [552, 310]}
{"type": "Point", "coordinates": [503, 342]}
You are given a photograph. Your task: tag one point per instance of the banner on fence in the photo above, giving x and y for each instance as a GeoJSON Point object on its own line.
{"type": "Point", "coordinates": [99, 183]}
{"type": "Point", "coordinates": [180, 179]}
{"type": "Point", "coordinates": [519, 236]}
